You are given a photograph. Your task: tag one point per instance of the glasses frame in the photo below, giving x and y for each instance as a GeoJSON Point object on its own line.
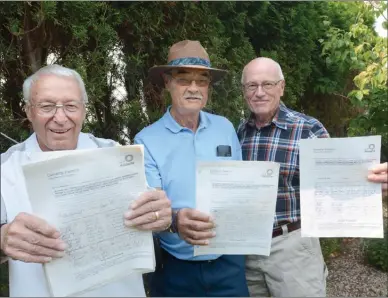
{"type": "Point", "coordinates": [55, 108]}
{"type": "Point", "coordinates": [191, 81]}
{"type": "Point", "coordinates": [274, 84]}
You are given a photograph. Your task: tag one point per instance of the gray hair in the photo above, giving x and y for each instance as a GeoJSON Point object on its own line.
{"type": "Point", "coordinates": [57, 70]}
{"type": "Point", "coordinates": [277, 65]}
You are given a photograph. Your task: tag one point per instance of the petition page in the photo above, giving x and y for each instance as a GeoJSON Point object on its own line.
{"type": "Point", "coordinates": [241, 197]}
{"type": "Point", "coordinates": [336, 198]}
{"type": "Point", "coordinates": [85, 195]}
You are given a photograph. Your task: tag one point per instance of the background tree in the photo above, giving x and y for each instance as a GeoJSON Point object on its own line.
{"type": "Point", "coordinates": [333, 61]}
{"type": "Point", "coordinates": [359, 53]}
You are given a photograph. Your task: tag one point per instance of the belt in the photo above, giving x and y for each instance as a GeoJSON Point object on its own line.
{"type": "Point", "coordinates": [290, 227]}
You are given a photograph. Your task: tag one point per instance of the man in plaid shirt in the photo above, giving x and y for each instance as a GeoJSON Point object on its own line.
{"type": "Point", "coordinates": [272, 132]}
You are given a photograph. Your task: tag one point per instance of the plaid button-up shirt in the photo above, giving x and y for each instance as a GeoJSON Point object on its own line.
{"type": "Point", "coordinates": [279, 142]}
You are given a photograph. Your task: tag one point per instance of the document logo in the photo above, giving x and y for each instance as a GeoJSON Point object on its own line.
{"type": "Point", "coordinates": [269, 173]}
{"type": "Point", "coordinates": [371, 148]}
{"type": "Point", "coordinates": [128, 160]}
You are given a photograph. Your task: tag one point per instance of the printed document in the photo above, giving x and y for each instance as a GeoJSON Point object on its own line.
{"type": "Point", "coordinates": [241, 197]}
{"type": "Point", "coordinates": [84, 194]}
{"type": "Point", "coordinates": [336, 198]}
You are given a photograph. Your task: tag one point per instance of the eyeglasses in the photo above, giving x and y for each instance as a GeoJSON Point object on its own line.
{"type": "Point", "coordinates": [267, 85]}
{"type": "Point", "coordinates": [49, 109]}
{"type": "Point", "coordinates": [187, 82]}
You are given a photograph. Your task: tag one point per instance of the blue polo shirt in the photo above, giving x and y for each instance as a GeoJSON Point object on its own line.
{"type": "Point", "coordinates": [170, 155]}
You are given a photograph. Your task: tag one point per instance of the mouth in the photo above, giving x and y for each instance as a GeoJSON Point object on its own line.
{"type": "Point", "coordinates": [259, 101]}
{"type": "Point", "coordinates": [193, 98]}
{"type": "Point", "coordinates": [60, 131]}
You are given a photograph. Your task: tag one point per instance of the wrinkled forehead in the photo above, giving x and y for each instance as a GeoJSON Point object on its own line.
{"type": "Point", "coordinates": [55, 87]}
{"type": "Point", "coordinates": [261, 70]}
{"type": "Point", "coordinates": [186, 72]}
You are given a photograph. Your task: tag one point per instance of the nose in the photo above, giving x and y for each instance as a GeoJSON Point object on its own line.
{"type": "Point", "coordinates": [60, 115]}
{"type": "Point", "coordinates": [193, 86]}
{"type": "Point", "coordinates": [259, 91]}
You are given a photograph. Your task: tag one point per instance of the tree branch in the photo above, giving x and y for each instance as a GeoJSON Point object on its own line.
{"type": "Point", "coordinates": [342, 96]}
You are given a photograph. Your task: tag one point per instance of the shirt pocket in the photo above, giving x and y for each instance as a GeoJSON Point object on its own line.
{"type": "Point", "coordinates": [224, 152]}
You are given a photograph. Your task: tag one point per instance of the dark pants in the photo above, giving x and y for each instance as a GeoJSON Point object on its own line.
{"type": "Point", "coordinates": [224, 276]}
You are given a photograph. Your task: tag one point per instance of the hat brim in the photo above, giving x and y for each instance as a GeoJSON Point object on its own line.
{"type": "Point", "coordinates": [155, 73]}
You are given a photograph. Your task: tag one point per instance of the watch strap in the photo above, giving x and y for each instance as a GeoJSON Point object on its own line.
{"type": "Point", "coordinates": [174, 224]}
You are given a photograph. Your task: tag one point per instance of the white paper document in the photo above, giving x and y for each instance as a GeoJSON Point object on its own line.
{"type": "Point", "coordinates": [85, 194]}
{"type": "Point", "coordinates": [241, 197]}
{"type": "Point", "coordinates": [336, 198]}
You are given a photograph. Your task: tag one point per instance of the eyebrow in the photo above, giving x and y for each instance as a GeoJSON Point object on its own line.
{"type": "Point", "coordinates": [265, 81]}
{"type": "Point", "coordinates": [183, 71]}
{"type": "Point", "coordinates": [51, 100]}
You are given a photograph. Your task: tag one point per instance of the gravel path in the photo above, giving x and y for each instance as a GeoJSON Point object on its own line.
{"type": "Point", "coordinates": [350, 276]}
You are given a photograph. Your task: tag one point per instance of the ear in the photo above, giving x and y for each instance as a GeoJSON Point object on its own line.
{"type": "Point", "coordinates": [166, 80]}
{"type": "Point", "coordinates": [209, 93]}
{"type": "Point", "coordinates": [27, 109]}
{"type": "Point", "coordinates": [84, 113]}
{"type": "Point", "coordinates": [282, 86]}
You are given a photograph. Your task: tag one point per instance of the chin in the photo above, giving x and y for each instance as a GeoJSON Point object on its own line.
{"type": "Point", "coordinates": [191, 110]}
{"type": "Point", "coordinates": [262, 110]}
{"type": "Point", "coordinates": [57, 146]}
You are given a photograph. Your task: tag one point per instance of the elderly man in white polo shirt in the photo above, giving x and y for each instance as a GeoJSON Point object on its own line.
{"type": "Point", "coordinates": [55, 105]}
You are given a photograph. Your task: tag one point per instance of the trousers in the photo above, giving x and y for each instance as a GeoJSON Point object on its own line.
{"type": "Point", "coordinates": [224, 276]}
{"type": "Point", "coordinates": [294, 268]}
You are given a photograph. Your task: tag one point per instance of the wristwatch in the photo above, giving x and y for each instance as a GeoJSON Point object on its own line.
{"type": "Point", "coordinates": [174, 225]}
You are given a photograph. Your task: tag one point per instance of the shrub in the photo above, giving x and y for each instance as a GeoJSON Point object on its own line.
{"type": "Point", "coordinates": [376, 250]}
{"type": "Point", "coordinates": [4, 280]}
{"type": "Point", "coordinates": [330, 246]}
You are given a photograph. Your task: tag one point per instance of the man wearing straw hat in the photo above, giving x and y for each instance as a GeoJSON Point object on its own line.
{"type": "Point", "coordinates": [173, 144]}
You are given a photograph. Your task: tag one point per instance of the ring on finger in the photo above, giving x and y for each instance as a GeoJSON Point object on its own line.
{"type": "Point", "coordinates": [156, 215]}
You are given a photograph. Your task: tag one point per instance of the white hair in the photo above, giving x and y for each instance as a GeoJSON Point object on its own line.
{"type": "Point", "coordinates": [277, 65]}
{"type": "Point", "coordinates": [57, 70]}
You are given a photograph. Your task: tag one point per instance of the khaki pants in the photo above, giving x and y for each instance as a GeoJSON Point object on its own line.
{"type": "Point", "coordinates": [295, 268]}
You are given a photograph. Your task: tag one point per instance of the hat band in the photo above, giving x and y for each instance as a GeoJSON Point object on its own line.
{"type": "Point", "coordinates": [190, 61]}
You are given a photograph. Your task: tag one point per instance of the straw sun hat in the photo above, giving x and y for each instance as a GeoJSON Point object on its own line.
{"type": "Point", "coordinates": [185, 54]}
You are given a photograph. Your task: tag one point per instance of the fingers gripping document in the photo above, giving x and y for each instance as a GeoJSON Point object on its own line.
{"type": "Point", "coordinates": [84, 194]}
{"type": "Point", "coordinates": [241, 196]}
{"type": "Point", "coordinates": [337, 200]}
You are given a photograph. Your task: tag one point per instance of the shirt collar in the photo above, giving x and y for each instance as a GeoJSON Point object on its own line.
{"type": "Point", "coordinates": [280, 118]}
{"type": "Point", "coordinates": [175, 127]}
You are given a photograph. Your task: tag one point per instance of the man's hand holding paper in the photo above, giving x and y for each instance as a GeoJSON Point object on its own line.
{"type": "Point", "coordinates": [150, 212]}
{"type": "Point", "coordinates": [379, 174]}
{"type": "Point", "coordinates": [31, 239]}
{"type": "Point", "coordinates": [195, 227]}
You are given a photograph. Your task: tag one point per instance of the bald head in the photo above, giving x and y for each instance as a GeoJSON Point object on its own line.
{"type": "Point", "coordinates": [263, 86]}
{"type": "Point", "coordinates": [271, 67]}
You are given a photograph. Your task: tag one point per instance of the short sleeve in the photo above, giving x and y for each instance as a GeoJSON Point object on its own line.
{"type": "Point", "coordinates": [318, 131]}
{"type": "Point", "coordinates": [151, 169]}
{"type": "Point", "coordinates": [3, 218]}
{"type": "Point", "coordinates": [237, 154]}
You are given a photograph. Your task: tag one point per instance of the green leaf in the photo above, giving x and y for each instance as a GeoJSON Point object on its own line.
{"type": "Point", "coordinates": [326, 23]}
{"type": "Point", "coordinates": [359, 95]}
{"type": "Point", "coordinates": [365, 91]}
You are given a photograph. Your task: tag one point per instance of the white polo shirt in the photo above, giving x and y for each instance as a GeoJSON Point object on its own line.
{"type": "Point", "coordinates": [28, 279]}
